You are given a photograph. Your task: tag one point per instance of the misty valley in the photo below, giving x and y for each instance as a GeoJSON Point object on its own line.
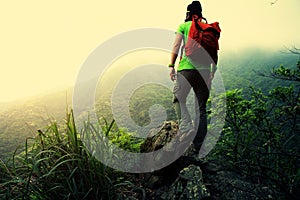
{"type": "Point", "coordinates": [259, 142]}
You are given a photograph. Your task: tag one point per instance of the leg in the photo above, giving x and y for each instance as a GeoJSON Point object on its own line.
{"type": "Point", "coordinates": [181, 91]}
{"type": "Point", "coordinates": [201, 96]}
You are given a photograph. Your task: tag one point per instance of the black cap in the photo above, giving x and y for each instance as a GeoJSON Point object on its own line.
{"type": "Point", "coordinates": [194, 7]}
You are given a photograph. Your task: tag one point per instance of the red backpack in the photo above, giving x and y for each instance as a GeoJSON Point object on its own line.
{"type": "Point", "coordinates": [202, 44]}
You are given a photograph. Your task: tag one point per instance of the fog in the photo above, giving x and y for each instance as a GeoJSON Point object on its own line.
{"type": "Point", "coordinates": [43, 44]}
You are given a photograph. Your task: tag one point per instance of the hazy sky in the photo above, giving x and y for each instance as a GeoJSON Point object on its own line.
{"type": "Point", "coordinates": [43, 43]}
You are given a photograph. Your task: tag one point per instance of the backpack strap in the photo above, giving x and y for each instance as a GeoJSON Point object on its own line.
{"type": "Point", "coordinates": [195, 21]}
{"type": "Point", "coordinates": [199, 28]}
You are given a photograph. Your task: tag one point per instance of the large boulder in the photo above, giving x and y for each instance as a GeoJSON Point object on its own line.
{"type": "Point", "coordinates": [180, 180]}
{"type": "Point", "coordinates": [188, 178]}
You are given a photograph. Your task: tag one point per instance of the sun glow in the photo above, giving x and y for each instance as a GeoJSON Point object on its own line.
{"type": "Point", "coordinates": [44, 43]}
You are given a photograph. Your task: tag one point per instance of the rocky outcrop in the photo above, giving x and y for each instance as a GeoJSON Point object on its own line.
{"type": "Point", "coordinates": [227, 185]}
{"type": "Point", "coordinates": [180, 180]}
{"type": "Point", "coordinates": [160, 137]}
{"type": "Point", "coordinates": [189, 178]}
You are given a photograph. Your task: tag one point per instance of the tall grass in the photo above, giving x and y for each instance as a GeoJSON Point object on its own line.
{"type": "Point", "coordinates": [56, 165]}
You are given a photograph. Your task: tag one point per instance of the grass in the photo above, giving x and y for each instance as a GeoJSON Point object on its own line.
{"type": "Point", "coordinates": [56, 165]}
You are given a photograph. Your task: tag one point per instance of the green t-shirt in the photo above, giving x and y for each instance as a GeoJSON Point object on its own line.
{"type": "Point", "coordinates": [185, 63]}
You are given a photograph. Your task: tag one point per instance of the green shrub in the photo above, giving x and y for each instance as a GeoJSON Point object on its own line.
{"type": "Point", "coordinates": [57, 166]}
{"type": "Point", "coordinates": [260, 139]}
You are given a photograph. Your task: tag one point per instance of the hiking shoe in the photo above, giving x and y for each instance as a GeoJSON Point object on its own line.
{"type": "Point", "coordinates": [191, 152]}
{"type": "Point", "coordinates": [187, 135]}
{"type": "Point", "coordinates": [201, 161]}
{"type": "Point", "coordinates": [194, 154]}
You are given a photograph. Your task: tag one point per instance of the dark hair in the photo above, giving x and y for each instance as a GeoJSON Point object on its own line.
{"type": "Point", "coordinates": [193, 9]}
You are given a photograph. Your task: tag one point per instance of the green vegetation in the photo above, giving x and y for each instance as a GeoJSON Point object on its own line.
{"type": "Point", "coordinates": [58, 166]}
{"type": "Point", "coordinates": [243, 69]}
{"type": "Point", "coordinates": [21, 119]}
{"type": "Point", "coordinates": [147, 96]}
{"type": "Point", "coordinates": [260, 139]}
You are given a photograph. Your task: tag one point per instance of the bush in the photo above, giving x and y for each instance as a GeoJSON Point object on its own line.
{"type": "Point", "coordinates": [57, 166]}
{"type": "Point", "coordinates": [261, 138]}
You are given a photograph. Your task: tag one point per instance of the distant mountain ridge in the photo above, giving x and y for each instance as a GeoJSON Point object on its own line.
{"type": "Point", "coordinates": [20, 119]}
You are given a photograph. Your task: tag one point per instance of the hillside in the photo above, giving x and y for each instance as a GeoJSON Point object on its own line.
{"type": "Point", "coordinates": [256, 155]}
{"type": "Point", "coordinates": [22, 119]}
{"type": "Point", "coordinates": [240, 70]}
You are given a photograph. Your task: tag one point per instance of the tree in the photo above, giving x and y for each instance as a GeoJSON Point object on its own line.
{"type": "Point", "coordinates": [262, 133]}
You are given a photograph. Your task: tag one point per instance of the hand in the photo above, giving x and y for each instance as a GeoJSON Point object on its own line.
{"type": "Point", "coordinates": [172, 74]}
{"type": "Point", "coordinates": [211, 77]}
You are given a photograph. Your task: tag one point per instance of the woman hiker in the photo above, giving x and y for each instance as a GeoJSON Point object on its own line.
{"type": "Point", "coordinates": [191, 75]}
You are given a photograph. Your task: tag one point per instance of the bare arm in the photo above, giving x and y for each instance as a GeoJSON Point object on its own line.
{"type": "Point", "coordinates": [176, 47]}
{"type": "Point", "coordinates": [174, 54]}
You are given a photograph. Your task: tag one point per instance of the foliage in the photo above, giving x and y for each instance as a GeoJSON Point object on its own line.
{"type": "Point", "coordinates": [21, 119]}
{"type": "Point", "coordinates": [125, 140]}
{"type": "Point", "coordinates": [262, 134]}
{"type": "Point", "coordinates": [147, 96]}
{"type": "Point", "coordinates": [287, 73]}
{"type": "Point", "coordinates": [241, 70]}
{"type": "Point", "coordinates": [58, 166]}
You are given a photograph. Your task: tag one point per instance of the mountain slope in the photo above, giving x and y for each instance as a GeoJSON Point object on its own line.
{"type": "Point", "coordinates": [22, 119]}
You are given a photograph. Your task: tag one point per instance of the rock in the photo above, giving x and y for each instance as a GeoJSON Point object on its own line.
{"type": "Point", "coordinates": [180, 180]}
{"type": "Point", "coordinates": [165, 145]}
{"type": "Point", "coordinates": [159, 137]}
{"type": "Point", "coordinates": [188, 178]}
{"type": "Point", "coordinates": [188, 185]}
